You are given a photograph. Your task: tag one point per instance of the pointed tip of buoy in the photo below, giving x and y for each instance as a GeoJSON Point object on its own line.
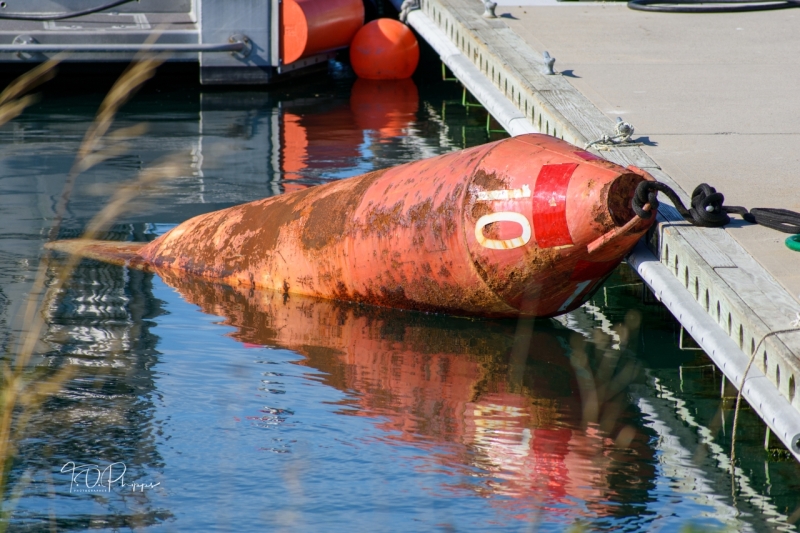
{"type": "Point", "coordinates": [114, 252]}
{"type": "Point", "coordinates": [384, 49]}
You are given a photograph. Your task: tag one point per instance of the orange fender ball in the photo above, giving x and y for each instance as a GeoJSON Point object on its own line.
{"type": "Point", "coordinates": [384, 49]}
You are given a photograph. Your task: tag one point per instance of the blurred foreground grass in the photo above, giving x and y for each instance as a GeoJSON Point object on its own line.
{"type": "Point", "coordinates": [24, 389]}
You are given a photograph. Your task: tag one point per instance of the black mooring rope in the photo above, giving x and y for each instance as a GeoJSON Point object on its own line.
{"type": "Point", "coordinates": [707, 209]}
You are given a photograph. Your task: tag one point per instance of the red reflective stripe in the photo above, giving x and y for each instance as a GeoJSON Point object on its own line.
{"type": "Point", "coordinates": [586, 270]}
{"type": "Point", "coordinates": [550, 205]}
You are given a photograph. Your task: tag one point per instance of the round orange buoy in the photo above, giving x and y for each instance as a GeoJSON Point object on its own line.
{"type": "Point", "coordinates": [387, 107]}
{"type": "Point", "coordinates": [529, 225]}
{"type": "Point", "coordinates": [309, 27]}
{"type": "Point", "coordinates": [384, 49]}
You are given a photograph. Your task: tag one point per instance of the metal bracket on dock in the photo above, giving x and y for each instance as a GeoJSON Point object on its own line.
{"type": "Point", "coordinates": [24, 40]}
{"type": "Point", "coordinates": [623, 131]}
{"type": "Point", "coordinates": [444, 74]}
{"type": "Point", "coordinates": [683, 345]}
{"type": "Point", "coordinates": [237, 38]}
{"type": "Point", "coordinates": [464, 102]}
{"type": "Point", "coordinates": [306, 62]}
{"type": "Point", "coordinates": [489, 129]}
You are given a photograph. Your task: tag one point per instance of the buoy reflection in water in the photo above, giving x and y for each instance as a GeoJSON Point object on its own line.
{"type": "Point", "coordinates": [384, 108]}
{"type": "Point", "coordinates": [483, 404]}
{"type": "Point", "coordinates": [330, 140]}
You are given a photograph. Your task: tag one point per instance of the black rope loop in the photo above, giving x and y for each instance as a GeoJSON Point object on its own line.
{"type": "Point", "coordinates": [707, 209]}
{"type": "Point", "coordinates": [647, 193]}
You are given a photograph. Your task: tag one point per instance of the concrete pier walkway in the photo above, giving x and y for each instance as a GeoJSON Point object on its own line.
{"type": "Point", "coordinates": [713, 99]}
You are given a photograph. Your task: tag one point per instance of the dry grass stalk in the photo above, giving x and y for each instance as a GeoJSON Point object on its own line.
{"type": "Point", "coordinates": [95, 148]}
{"type": "Point", "coordinates": [739, 402]}
{"type": "Point", "coordinates": [21, 397]}
{"type": "Point", "coordinates": [21, 394]}
{"type": "Point", "coordinates": [13, 392]}
{"type": "Point", "coordinates": [122, 91]}
{"type": "Point", "coordinates": [12, 101]}
{"type": "Point", "coordinates": [30, 80]}
{"type": "Point", "coordinates": [149, 181]}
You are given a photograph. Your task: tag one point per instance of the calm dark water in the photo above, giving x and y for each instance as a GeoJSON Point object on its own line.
{"type": "Point", "coordinates": [233, 410]}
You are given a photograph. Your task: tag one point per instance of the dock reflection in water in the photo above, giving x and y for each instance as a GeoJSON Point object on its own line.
{"type": "Point", "coordinates": [485, 406]}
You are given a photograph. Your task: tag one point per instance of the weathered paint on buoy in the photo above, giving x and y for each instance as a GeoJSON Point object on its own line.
{"type": "Point", "coordinates": [309, 27]}
{"type": "Point", "coordinates": [524, 226]}
{"type": "Point", "coordinates": [384, 49]}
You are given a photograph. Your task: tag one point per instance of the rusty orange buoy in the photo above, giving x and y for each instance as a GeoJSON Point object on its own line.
{"type": "Point", "coordinates": [528, 225]}
{"type": "Point", "coordinates": [309, 27]}
{"type": "Point", "coordinates": [384, 49]}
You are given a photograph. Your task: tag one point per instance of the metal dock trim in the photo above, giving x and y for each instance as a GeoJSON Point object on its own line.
{"type": "Point", "coordinates": [760, 393]}
{"type": "Point", "coordinates": [729, 287]}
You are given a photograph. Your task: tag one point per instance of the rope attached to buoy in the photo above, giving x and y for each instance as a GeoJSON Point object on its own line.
{"type": "Point", "coordinates": [707, 210]}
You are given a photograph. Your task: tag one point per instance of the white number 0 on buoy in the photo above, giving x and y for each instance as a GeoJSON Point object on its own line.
{"type": "Point", "coordinates": [503, 216]}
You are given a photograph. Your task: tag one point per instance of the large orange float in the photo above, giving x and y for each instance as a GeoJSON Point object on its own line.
{"type": "Point", "coordinates": [309, 27]}
{"type": "Point", "coordinates": [523, 226]}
